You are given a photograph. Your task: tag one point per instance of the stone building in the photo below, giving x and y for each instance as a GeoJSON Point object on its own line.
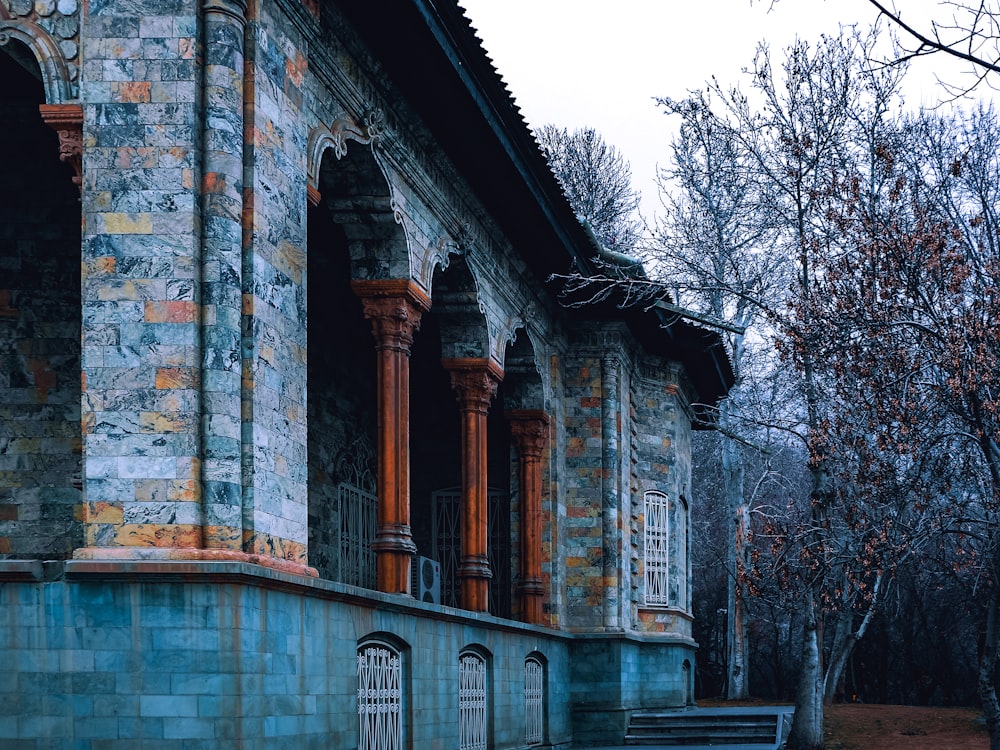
{"type": "Point", "coordinates": [298, 447]}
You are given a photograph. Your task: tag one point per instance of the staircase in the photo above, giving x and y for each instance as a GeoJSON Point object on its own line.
{"type": "Point", "coordinates": [754, 728]}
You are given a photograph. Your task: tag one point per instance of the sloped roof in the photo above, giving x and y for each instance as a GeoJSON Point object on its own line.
{"type": "Point", "coordinates": [433, 56]}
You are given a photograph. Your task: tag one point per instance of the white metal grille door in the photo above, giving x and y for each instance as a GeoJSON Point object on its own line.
{"type": "Point", "coordinates": [379, 699]}
{"type": "Point", "coordinates": [534, 701]}
{"type": "Point", "coordinates": [358, 513]}
{"type": "Point", "coordinates": [657, 548]}
{"type": "Point", "coordinates": [471, 702]}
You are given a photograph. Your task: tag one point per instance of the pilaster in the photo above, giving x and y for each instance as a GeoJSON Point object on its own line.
{"type": "Point", "coordinates": [223, 27]}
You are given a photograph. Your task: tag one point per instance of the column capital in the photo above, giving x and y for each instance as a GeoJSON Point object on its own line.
{"type": "Point", "coordinates": [394, 307]}
{"type": "Point", "coordinates": [474, 381]}
{"type": "Point", "coordinates": [530, 430]}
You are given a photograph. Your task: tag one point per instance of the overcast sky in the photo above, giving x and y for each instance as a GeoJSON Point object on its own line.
{"type": "Point", "coordinates": [593, 63]}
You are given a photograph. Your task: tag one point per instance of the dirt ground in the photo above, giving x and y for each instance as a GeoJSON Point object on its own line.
{"type": "Point", "coordinates": [870, 727]}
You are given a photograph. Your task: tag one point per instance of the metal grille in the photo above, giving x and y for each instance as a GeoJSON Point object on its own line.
{"type": "Point", "coordinates": [358, 513]}
{"type": "Point", "coordinates": [534, 701]}
{"type": "Point", "coordinates": [657, 548]}
{"type": "Point", "coordinates": [379, 699]}
{"type": "Point", "coordinates": [446, 533]}
{"type": "Point", "coordinates": [471, 702]}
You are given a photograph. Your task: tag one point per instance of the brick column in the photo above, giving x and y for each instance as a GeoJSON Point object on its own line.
{"type": "Point", "coordinates": [475, 383]}
{"type": "Point", "coordinates": [394, 307]}
{"type": "Point", "coordinates": [530, 430]}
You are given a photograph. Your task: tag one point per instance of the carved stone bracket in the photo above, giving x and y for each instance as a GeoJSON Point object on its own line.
{"type": "Point", "coordinates": [67, 121]}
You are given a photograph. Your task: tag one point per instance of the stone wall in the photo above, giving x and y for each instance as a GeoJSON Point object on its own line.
{"type": "Point", "coordinates": [210, 656]}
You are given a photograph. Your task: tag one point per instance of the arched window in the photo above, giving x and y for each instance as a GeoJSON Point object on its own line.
{"type": "Point", "coordinates": [472, 701]}
{"type": "Point", "coordinates": [657, 549]}
{"type": "Point", "coordinates": [534, 701]}
{"type": "Point", "coordinates": [380, 694]}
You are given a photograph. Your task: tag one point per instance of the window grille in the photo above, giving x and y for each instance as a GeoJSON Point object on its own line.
{"type": "Point", "coordinates": [472, 702]}
{"type": "Point", "coordinates": [379, 699]}
{"type": "Point", "coordinates": [534, 700]}
{"type": "Point", "coordinates": [657, 515]}
{"type": "Point", "coordinates": [446, 548]}
{"type": "Point", "coordinates": [358, 513]}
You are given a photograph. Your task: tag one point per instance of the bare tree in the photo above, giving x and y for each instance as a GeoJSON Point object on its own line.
{"type": "Point", "coordinates": [597, 181]}
{"type": "Point", "coordinates": [708, 247]}
{"type": "Point", "coordinates": [913, 301]}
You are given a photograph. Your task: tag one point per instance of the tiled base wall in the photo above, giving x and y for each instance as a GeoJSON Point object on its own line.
{"type": "Point", "coordinates": [210, 656]}
{"type": "Point", "coordinates": [613, 675]}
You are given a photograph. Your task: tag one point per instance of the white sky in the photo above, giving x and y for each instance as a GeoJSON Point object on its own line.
{"type": "Point", "coordinates": [594, 63]}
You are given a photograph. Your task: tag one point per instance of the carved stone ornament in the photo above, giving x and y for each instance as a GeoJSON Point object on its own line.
{"type": "Point", "coordinates": [67, 121]}
{"type": "Point", "coordinates": [335, 137]}
{"type": "Point", "coordinates": [474, 381]}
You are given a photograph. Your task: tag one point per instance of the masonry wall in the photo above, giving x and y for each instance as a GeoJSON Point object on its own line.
{"type": "Point", "coordinates": [663, 463]}
{"type": "Point", "coordinates": [242, 658]}
{"type": "Point", "coordinates": [40, 511]}
{"type": "Point", "coordinates": [141, 352]}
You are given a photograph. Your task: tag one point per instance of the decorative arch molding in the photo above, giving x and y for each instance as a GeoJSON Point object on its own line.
{"type": "Point", "coordinates": [459, 306]}
{"type": "Point", "coordinates": [525, 384]}
{"type": "Point", "coordinates": [57, 77]}
{"type": "Point", "coordinates": [361, 195]}
{"type": "Point", "coordinates": [335, 137]}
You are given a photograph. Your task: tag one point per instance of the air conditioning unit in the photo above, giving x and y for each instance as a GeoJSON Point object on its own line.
{"type": "Point", "coordinates": [426, 580]}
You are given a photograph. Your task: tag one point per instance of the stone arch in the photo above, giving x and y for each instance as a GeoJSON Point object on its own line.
{"type": "Point", "coordinates": [523, 385]}
{"type": "Point", "coordinates": [357, 192]}
{"type": "Point", "coordinates": [46, 52]}
{"type": "Point", "coordinates": [464, 327]}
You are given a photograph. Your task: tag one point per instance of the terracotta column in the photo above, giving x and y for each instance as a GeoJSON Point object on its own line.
{"type": "Point", "coordinates": [394, 307]}
{"type": "Point", "coordinates": [475, 382]}
{"type": "Point", "coordinates": [530, 430]}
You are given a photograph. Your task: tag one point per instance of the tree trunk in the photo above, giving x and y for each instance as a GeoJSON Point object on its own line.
{"type": "Point", "coordinates": [847, 638]}
{"type": "Point", "coordinates": [988, 671]}
{"type": "Point", "coordinates": [807, 725]}
{"type": "Point", "coordinates": [737, 683]}
{"type": "Point", "coordinates": [840, 653]}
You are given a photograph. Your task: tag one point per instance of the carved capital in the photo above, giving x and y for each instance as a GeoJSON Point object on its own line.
{"type": "Point", "coordinates": [530, 430]}
{"type": "Point", "coordinates": [67, 121]}
{"type": "Point", "coordinates": [474, 381]}
{"type": "Point", "coordinates": [395, 308]}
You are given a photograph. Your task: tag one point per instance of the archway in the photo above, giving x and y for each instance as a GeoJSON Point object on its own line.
{"type": "Point", "coordinates": [352, 235]}
{"type": "Point", "coordinates": [40, 319]}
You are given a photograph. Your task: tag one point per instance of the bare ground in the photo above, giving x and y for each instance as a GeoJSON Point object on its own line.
{"type": "Point", "coordinates": [871, 727]}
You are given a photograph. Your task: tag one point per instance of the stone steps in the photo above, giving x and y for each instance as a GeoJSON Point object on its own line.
{"type": "Point", "coordinates": [749, 728]}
